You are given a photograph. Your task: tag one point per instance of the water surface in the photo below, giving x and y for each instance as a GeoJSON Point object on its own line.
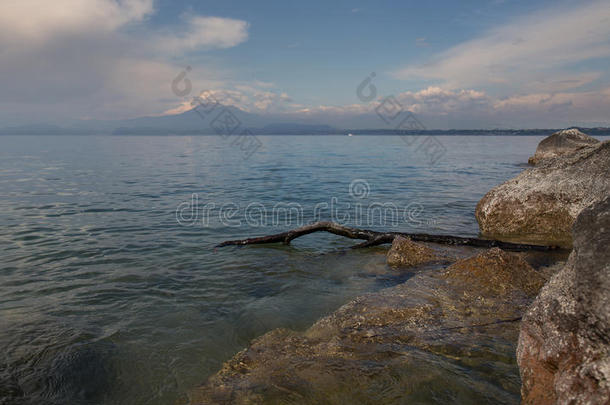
{"type": "Point", "coordinates": [105, 298]}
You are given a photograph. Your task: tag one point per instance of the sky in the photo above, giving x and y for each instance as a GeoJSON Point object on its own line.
{"type": "Point", "coordinates": [470, 64]}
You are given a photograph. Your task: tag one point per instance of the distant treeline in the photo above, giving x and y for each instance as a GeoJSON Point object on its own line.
{"type": "Point", "coordinates": [600, 131]}
{"type": "Point", "coordinates": [499, 132]}
{"type": "Point", "coordinates": [335, 131]}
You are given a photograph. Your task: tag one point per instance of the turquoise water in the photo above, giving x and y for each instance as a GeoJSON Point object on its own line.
{"type": "Point", "coordinates": [108, 297]}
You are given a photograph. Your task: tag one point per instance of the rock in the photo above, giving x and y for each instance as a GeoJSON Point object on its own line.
{"type": "Point", "coordinates": [496, 272]}
{"type": "Point", "coordinates": [423, 341]}
{"type": "Point", "coordinates": [405, 252]}
{"type": "Point", "coordinates": [541, 204]}
{"type": "Point", "coordinates": [560, 143]}
{"type": "Point", "coordinates": [564, 343]}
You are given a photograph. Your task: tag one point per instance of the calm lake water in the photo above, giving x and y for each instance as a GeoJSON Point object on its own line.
{"type": "Point", "coordinates": [108, 297]}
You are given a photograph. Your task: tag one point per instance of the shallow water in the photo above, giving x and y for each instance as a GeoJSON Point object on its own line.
{"type": "Point", "coordinates": [106, 298]}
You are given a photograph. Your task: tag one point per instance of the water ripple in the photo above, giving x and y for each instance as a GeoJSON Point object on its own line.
{"type": "Point", "coordinates": [105, 299]}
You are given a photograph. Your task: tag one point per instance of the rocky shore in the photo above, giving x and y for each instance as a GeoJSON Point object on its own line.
{"type": "Point", "coordinates": [449, 334]}
{"type": "Point", "coordinates": [561, 143]}
{"type": "Point", "coordinates": [386, 347]}
{"type": "Point", "coordinates": [541, 204]}
{"type": "Point", "coordinates": [564, 345]}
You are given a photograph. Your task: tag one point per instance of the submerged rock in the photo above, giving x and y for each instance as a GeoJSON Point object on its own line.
{"type": "Point", "coordinates": [405, 252]}
{"type": "Point", "coordinates": [564, 344]}
{"type": "Point", "coordinates": [561, 143]}
{"type": "Point", "coordinates": [439, 337]}
{"type": "Point", "coordinates": [541, 204]}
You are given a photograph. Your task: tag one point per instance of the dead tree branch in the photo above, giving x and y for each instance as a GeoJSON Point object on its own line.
{"type": "Point", "coordinates": [374, 238]}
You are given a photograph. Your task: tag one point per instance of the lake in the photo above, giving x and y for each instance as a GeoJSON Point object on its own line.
{"type": "Point", "coordinates": [112, 291]}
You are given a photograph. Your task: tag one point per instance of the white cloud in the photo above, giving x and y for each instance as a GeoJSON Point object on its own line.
{"type": "Point", "coordinates": [531, 69]}
{"type": "Point", "coordinates": [28, 23]}
{"type": "Point", "coordinates": [594, 104]}
{"type": "Point", "coordinates": [466, 108]}
{"type": "Point", "coordinates": [537, 51]}
{"type": "Point", "coordinates": [434, 100]}
{"type": "Point", "coordinates": [436, 108]}
{"type": "Point", "coordinates": [65, 59]}
{"type": "Point", "coordinates": [255, 97]}
{"type": "Point", "coordinates": [471, 108]}
{"type": "Point", "coordinates": [202, 33]}
{"type": "Point", "coordinates": [100, 59]}
{"type": "Point", "coordinates": [33, 22]}
{"type": "Point", "coordinates": [141, 87]}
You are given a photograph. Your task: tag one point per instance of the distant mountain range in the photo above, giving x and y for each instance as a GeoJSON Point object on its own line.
{"type": "Point", "coordinates": [228, 120]}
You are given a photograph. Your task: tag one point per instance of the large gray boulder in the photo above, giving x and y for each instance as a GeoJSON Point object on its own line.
{"type": "Point", "coordinates": [561, 143]}
{"type": "Point", "coordinates": [541, 204]}
{"type": "Point", "coordinates": [564, 343]}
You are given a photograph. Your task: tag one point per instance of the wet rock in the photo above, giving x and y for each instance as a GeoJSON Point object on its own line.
{"type": "Point", "coordinates": [435, 338]}
{"type": "Point", "coordinates": [541, 204]}
{"type": "Point", "coordinates": [561, 143]}
{"type": "Point", "coordinates": [496, 272]}
{"type": "Point", "coordinates": [405, 252]}
{"type": "Point", "coordinates": [564, 343]}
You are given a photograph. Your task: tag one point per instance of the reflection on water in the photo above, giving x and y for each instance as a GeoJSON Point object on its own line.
{"type": "Point", "coordinates": [105, 299]}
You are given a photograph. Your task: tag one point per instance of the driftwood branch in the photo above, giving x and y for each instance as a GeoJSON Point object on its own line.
{"type": "Point", "coordinates": [374, 238]}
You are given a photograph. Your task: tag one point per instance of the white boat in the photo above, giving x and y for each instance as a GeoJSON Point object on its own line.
{"type": "Point", "coordinates": [350, 134]}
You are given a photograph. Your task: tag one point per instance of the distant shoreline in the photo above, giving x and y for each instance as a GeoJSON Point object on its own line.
{"type": "Point", "coordinates": [338, 132]}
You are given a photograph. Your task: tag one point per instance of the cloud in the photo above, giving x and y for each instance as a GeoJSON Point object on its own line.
{"type": "Point", "coordinates": [434, 100]}
{"type": "Point", "coordinates": [594, 104]}
{"type": "Point", "coordinates": [467, 108]}
{"type": "Point", "coordinates": [256, 97]}
{"type": "Point", "coordinates": [204, 33]}
{"type": "Point", "coordinates": [537, 52]}
{"type": "Point", "coordinates": [33, 22]}
{"type": "Point", "coordinates": [100, 58]}
{"type": "Point", "coordinates": [103, 59]}
{"type": "Point", "coordinates": [532, 70]}
{"type": "Point", "coordinates": [421, 42]}
{"type": "Point", "coordinates": [431, 100]}
{"type": "Point", "coordinates": [472, 108]}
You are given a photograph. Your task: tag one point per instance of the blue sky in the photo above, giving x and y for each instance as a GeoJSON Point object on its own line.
{"type": "Point", "coordinates": [319, 50]}
{"type": "Point", "coordinates": [457, 64]}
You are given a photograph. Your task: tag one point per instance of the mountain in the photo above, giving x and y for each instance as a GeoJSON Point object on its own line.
{"type": "Point", "coordinates": [232, 120]}
{"type": "Point", "coordinates": [220, 120]}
